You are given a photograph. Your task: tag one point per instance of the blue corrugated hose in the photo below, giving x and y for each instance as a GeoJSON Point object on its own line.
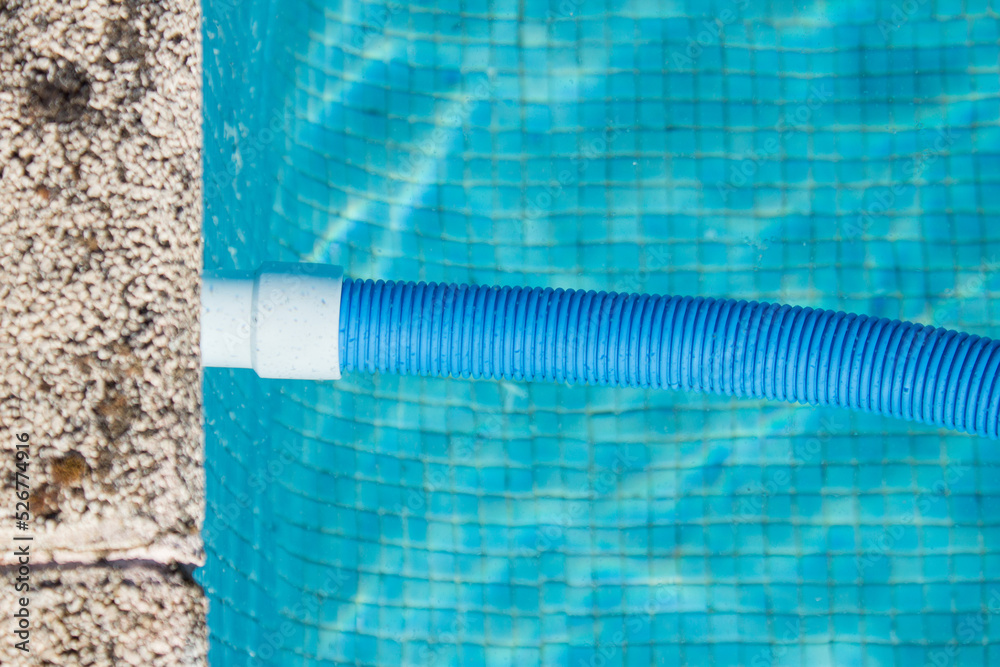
{"type": "Point", "coordinates": [740, 348]}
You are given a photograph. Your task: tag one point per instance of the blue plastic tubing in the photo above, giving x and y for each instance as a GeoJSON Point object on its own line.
{"type": "Point", "coordinates": [739, 348]}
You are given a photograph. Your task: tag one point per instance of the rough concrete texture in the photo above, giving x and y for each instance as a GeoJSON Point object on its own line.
{"type": "Point", "coordinates": [100, 257]}
{"type": "Point", "coordinates": [100, 212]}
{"type": "Point", "coordinates": [130, 614]}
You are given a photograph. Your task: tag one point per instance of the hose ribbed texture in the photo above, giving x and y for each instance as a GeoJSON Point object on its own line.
{"type": "Point", "coordinates": [739, 348]}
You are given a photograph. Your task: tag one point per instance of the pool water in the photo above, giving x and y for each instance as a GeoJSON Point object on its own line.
{"type": "Point", "coordinates": [837, 155]}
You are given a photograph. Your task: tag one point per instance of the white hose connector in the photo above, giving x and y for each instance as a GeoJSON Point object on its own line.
{"type": "Point", "coordinates": [283, 321]}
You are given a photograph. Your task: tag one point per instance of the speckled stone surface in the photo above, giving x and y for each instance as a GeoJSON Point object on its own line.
{"type": "Point", "coordinates": [100, 210]}
{"type": "Point", "coordinates": [124, 614]}
{"type": "Point", "coordinates": [100, 257]}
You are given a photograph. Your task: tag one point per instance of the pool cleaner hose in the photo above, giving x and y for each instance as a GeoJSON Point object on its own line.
{"type": "Point", "coordinates": [322, 324]}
